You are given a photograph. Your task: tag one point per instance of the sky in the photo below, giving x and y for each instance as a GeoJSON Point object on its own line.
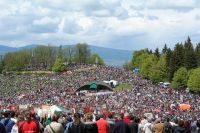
{"type": "Point", "coordinates": [121, 24]}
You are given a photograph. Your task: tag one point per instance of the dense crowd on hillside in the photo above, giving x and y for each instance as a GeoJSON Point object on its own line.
{"type": "Point", "coordinates": [59, 89]}
{"type": "Point", "coordinates": [29, 122]}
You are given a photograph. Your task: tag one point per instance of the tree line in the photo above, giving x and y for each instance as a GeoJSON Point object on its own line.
{"type": "Point", "coordinates": [180, 66]}
{"type": "Point", "coordinates": [48, 58]}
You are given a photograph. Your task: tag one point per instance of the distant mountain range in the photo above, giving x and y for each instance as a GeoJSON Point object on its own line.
{"type": "Point", "coordinates": [114, 57]}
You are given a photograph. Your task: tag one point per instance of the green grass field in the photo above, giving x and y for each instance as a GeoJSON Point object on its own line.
{"type": "Point", "coordinates": [31, 72]}
{"type": "Point", "coordinates": [122, 87]}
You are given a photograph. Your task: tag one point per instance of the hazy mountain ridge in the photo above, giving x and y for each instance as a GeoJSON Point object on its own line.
{"type": "Point", "coordinates": [115, 57]}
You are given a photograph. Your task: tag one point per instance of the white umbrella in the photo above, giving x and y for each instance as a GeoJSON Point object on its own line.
{"type": "Point", "coordinates": [57, 109]}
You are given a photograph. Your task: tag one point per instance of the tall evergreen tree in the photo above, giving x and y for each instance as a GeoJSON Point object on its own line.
{"type": "Point", "coordinates": [175, 60]}
{"type": "Point", "coordinates": [156, 53]}
{"type": "Point", "coordinates": [189, 56]}
{"type": "Point", "coordinates": [178, 56]}
{"type": "Point", "coordinates": [197, 54]}
{"type": "Point", "coordinates": [164, 50]}
{"type": "Point", "coordinates": [58, 65]}
{"type": "Point", "coordinates": [169, 64]}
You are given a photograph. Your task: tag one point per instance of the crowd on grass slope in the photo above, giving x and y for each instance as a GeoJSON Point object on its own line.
{"type": "Point", "coordinates": [144, 97]}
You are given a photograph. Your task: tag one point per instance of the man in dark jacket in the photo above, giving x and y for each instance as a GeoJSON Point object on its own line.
{"type": "Point", "coordinates": [134, 122]}
{"type": "Point", "coordinates": [8, 121]}
{"type": "Point", "coordinates": [121, 126]}
{"type": "Point", "coordinates": [90, 127]}
{"type": "Point", "coordinates": [111, 123]}
{"type": "Point", "coordinates": [180, 128]}
{"type": "Point", "coordinates": [168, 126]}
{"type": "Point", "coordinates": [77, 126]}
{"type": "Point", "coordinates": [2, 128]}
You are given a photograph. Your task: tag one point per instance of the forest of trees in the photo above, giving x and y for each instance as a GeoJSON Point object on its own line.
{"type": "Point", "coordinates": [180, 66]}
{"type": "Point", "coordinates": [48, 58]}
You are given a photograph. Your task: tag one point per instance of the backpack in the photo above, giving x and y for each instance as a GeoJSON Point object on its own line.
{"type": "Point", "coordinates": [9, 125]}
{"type": "Point", "coordinates": [5, 121]}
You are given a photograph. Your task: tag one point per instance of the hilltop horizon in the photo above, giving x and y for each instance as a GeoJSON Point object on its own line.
{"type": "Point", "coordinates": [111, 56]}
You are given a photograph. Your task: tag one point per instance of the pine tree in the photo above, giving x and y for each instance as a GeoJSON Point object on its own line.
{"type": "Point", "coordinates": [164, 50]}
{"type": "Point", "coordinates": [58, 65]}
{"type": "Point", "coordinates": [169, 64]}
{"type": "Point", "coordinates": [175, 61]}
{"type": "Point", "coordinates": [197, 54]}
{"type": "Point", "coordinates": [189, 56]}
{"type": "Point", "coordinates": [178, 56]}
{"type": "Point", "coordinates": [156, 53]}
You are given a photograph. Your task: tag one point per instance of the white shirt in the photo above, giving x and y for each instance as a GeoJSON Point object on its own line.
{"type": "Point", "coordinates": [148, 128]}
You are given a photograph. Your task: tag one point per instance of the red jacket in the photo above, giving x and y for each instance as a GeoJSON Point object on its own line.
{"type": "Point", "coordinates": [126, 120]}
{"type": "Point", "coordinates": [102, 126]}
{"type": "Point", "coordinates": [29, 127]}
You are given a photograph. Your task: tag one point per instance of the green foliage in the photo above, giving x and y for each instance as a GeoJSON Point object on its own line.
{"type": "Point", "coordinates": [180, 78]}
{"type": "Point", "coordinates": [178, 56]}
{"type": "Point", "coordinates": [1, 66]}
{"type": "Point", "coordinates": [16, 61]}
{"type": "Point", "coordinates": [128, 66]}
{"type": "Point", "coordinates": [189, 55]}
{"type": "Point", "coordinates": [194, 80]}
{"type": "Point", "coordinates": [44, 57]}
{"type": "Point", "coordinates": [138, 58]}
{"type": "Point", "coordinates": [147, 65]}
{"type": "Point", "coordinates": [197, 54]}
{"type": "Point", "coordinates": [96, 59]}
{"type": "Point", "coordinates": [82, 53]}
{"type": "Point", "coordinates": [122, 87]}
{"type": "Point", "coordinates": [158, 73]}
{"type": "Point", "coordinates": [69, 54]}
{"type": "Point", "coordinates": [58, 65]}
{"type": "Point", "coordinates": [169, 64]}
{"type": "Point", "coordinates": [172, 64]}
{"type": "Point", "coordinates": [164, 50]}
{"type": "Point", "coordinates": [157, 53]}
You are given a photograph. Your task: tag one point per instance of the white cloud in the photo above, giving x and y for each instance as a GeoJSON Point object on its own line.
{"type": "Point", "coordinates": [110, 23]}
{"type": "Point", "coordinates": [45, 21]}
{"type": "Point", "coordinates": [86, 23]}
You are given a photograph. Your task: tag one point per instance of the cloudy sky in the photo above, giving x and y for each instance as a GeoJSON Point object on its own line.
{"type": "Point", "coordinates": [121, 24]}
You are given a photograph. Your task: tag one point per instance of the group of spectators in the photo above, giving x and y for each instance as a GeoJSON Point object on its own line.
{"type": "Point", "coordinates": [29, 122]}
{"type": "Point", "coordinates": [60, 89]}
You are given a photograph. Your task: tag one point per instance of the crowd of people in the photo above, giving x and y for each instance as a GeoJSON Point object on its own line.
{"type": "Point", "coordinates": [29, 122]}
{"type": "Point", "coordinates": [60, 89]}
